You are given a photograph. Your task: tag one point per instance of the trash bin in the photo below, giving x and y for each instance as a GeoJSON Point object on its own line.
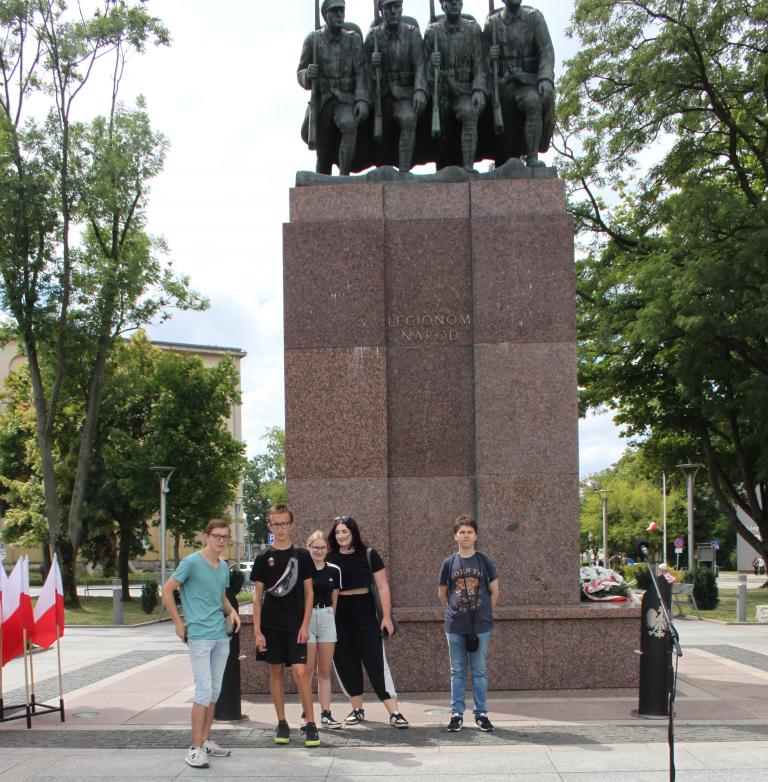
{"type": "Point", "coordinates": [228, 707]}
{"type": "Point", "coordinates": [656, 670]}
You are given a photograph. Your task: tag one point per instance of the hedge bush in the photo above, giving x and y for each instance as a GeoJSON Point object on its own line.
{"type": "Point", "coordinates": [705, 591]}
{"type": "Point", "coordinates": [150, 597]}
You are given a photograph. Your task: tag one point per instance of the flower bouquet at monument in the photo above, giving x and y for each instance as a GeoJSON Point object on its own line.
{"type": "Point", "coordinates": [604, 585]}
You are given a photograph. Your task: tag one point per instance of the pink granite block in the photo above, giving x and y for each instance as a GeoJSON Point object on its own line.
{"type": "Point", "coordinates": [316, 501]}
{"type": "Point", "coordinates": [325, 203]}
{"type": "Point", "coordinates": [530, 524]}
{"type": "Point", "coordinates": [513, 197]}
{"type": "Point", "coordinates": [524, 279]}
{"type": "Point", "coordinates": [429, 283]}
{"type": "Point", "coordinates": [425, 509]}
{"type": "Point", "coordinates": [584, 654]}
{"type": "Point", "coordinates": [336, 413]}
{"type": "Point", "coordinates": [526, 409]}
{"type": "Point", "coordinates": [430, 412]}
{"type": "Point", "coordinates": [426, 201]}
{"type": "Point", "coordinates": [334, 289]}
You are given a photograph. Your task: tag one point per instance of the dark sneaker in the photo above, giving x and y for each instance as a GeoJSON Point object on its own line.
{"type": "Point", "coordinates": [397, 720]}
{"type": "Point", "coordinates": [327, 721]}
{"type": "Point", "coordinates": [283, 733]}
{"type": "Point", "coordinates": [311, 739]}
{"type": "Point", "coordinates": [482, 722]}
{"type": "Point", "coordinates": [456, 723]}
{"type": "Point", "coordinates": [197, 757]}
{"type": "Point", "coordinates": [355, 717]}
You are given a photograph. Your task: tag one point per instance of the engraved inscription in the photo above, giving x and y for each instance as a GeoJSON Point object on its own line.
{"type": "Point", "coordinates": [428, 327]}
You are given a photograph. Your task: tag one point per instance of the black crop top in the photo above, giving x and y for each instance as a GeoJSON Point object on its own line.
{"type": "Point", "coordinates": [324, 581]}
{"type": "Point", "coordinates": [355, 572]}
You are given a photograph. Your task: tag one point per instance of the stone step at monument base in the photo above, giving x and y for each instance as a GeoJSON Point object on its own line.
{"type": "Point", "coordinates": [585, 646]}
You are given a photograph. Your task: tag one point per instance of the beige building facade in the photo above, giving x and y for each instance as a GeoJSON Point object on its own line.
{"type": "Point", "coordinates": [11, 358]}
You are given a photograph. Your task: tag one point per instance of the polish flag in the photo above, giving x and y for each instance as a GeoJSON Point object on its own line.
{"type": "Point", "coordinates": [49, 610]}
{"type": "Point", "coordinates": [3, 582]}
{"type": "Point", "coordinates": [13, 640]}
{"type": "Point", "coordinates": [652, 526]}
{"type": "Point", "coordinates": [27, 617]}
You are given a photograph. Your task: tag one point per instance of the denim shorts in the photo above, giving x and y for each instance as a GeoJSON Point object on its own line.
{"type": "Point", "coordinates": [208, 658]}
{"type": "Point", "coordinates": [322, 626]}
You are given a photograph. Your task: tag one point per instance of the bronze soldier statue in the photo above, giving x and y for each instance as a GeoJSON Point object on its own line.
{"type": "Point", "coordinates": [396, 54]}
{"type": "Point", "coordinates": [519, 45]}
{"type": "Point", "coordinates": [454, 51]}
{"type": "Point", "coordinates": [332, 65]}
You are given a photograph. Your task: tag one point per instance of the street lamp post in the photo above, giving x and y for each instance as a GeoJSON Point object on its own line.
{"type": "Point", "coordinates": [239, 537]}
{"type": "Point", "coordinates": [689, 470]}
{"type": "Point", "coordinates": [604, 501]}
{"type": "Point", "coordinates": [164, 474]}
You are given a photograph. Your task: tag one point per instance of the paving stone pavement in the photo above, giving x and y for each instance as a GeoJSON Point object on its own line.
{"type": "Point", "coordinates": [744, 656]}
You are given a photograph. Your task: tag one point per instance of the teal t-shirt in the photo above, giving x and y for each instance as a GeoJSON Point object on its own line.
{"type": "Point", "coordinates": [202, 589]}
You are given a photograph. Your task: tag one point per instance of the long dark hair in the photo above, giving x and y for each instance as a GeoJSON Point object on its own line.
{"type": "Point", "coordinates": [351, 525]}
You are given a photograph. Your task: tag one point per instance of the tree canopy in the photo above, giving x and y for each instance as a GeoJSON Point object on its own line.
{"type": "Point", "coordinates": [664, 142]}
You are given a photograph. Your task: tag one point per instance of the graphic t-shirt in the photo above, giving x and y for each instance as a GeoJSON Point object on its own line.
{"type": "Point", "coordinates": [355, 573]}
{"type": "Point", "coordinates": [324, 581]}
{"type": "Point", "coordinates": [467, 581]}
{"type": "Point", "coordinates": [202, 589]}
{"type": "Point", "coordinates": [283, 610]}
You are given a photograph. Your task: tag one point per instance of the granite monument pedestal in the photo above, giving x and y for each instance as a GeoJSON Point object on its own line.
{"type": "Point", "coordinates": [430, 371]}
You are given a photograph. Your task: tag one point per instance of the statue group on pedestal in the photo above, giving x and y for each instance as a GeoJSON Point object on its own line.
{"type": "Point", "coordinates": [457, 95]}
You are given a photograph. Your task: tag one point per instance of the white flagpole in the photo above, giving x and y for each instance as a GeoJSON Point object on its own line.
{"type": "Point", "coordinates": [664, 514]}
{"type": "Point", "coordinates": [61, 681]}
{"type": "Point", "coordinates": [2, 699]}
{"type": "Point", "coordinates": [26, 680]}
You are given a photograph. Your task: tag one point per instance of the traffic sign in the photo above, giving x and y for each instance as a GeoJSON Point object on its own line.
{"type": "Point", "coordinates": [679, 545]}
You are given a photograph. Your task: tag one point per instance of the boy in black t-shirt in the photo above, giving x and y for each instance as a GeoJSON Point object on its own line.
{"type": "Point", "coordinates": [282, 607]}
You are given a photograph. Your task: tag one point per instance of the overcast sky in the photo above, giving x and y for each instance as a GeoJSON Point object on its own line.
{"type": "Point", "coordinates": [225, 94]}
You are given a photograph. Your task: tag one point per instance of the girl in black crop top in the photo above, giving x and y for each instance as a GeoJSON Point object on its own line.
{"type": "Point", "coordinates": [359, 631]}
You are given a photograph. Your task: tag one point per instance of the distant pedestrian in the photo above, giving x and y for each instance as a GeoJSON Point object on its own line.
{"type": "Point", "coordinates": [468, 588]}
{"type": "Point", "coordinates": [202, 579]}
{"type": "Point", "coordinates": [326, 583]}
{"type": "Point", "coordinates": [282, 608]}
{"type": "Point", "coordinates": [359, 629]}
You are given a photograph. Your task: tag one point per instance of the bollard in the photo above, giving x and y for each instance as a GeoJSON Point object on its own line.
{"type": "Point", "coordinates": [656, 670]}
{"type": "Point", "coordinates": [117, 603]}
{"type": "Point", "coordinates": [741, 598]}
{"type": "Point", "coordinates": [228, 707]}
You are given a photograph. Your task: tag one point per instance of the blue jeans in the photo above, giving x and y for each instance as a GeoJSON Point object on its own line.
{"type": "Point", "coordinates": [478, 664]}
{"type": "Point", "coordinates": [208, 658]}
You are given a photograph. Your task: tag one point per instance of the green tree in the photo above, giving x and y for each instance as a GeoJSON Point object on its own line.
{"type": "Point", "coordinates": [77, 267]}
{"type": "Point", "coordinates": [673, 279]}
{"type": "Point", "coordinates": [264, 482]}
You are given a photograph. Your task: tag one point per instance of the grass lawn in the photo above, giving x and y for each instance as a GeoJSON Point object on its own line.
{"type": "Point", "coordinates": [98, 611]}
{"type": "Point", "coordinates": [726, 609]}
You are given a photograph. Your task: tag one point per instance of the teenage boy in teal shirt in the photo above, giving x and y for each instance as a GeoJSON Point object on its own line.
{"type": "Point", "coordinates": [202, 579]}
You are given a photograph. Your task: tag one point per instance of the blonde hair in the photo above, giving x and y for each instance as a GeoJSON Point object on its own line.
{"type": "Point", "coordinates": [318, 534]}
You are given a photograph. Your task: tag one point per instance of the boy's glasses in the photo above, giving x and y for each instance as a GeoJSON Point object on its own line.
{"type": "Point", "coordinates": [279, 524]}
{"type": "Point", "coordinates": [220, 538]}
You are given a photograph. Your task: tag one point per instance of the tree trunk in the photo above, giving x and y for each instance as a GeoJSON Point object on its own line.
{"type": "Point", "coordinates": [45, 551]}
{"type": "Point", "coordinates": [68, 566]}
{"type": "Point", "coordinates": [176, 549]}
{"type": "Point", "coordinates": [123, 560]}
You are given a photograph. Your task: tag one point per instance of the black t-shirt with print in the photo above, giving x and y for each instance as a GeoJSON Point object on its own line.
{"type": "Point", "coordinates": [324, 581]}
{"type": "Point", "coordinates": [355, 572]}
{"type": "Point", "coordinates": [286, 612]}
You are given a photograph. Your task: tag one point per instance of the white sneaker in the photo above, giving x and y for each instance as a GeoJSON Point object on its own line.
{"type": "Point", "coordinates": [212, 748]}
{"type": "Point", "coordinates": [197, 757]}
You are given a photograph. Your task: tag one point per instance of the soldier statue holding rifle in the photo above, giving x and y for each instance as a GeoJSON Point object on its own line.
{"type": "Point", "coordinates": [395, 51]}
{"type": "Point", "coordinates": [522, 64]}
{"type": "Point", "coordinates": [456, 73]}
{"type": "Point", "coordinates": [332, 65]}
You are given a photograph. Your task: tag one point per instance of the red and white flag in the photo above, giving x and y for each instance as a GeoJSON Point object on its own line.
{"type": "Point", "coordinates": [652, 526]}
{"type": "Point", "coordinates": [3, 582]}
{"type": "Point", "coordinates": [13, 623]}
{"type": "Point", "coordinates": [27, 616]}
{"type": "Point", "coordinates": [49, 609]}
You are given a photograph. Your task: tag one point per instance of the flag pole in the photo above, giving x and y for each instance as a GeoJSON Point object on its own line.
{"type": "Point", "coordinates": [664, 514]}
{"type": "Point", "coordinates": [26, 680]}
{"type": "Point", "coordinates": [32, 681]}
{"type": "Point", "coordinates": [2, 700]}
{"type": "Point", "coordinates": [61, 682]}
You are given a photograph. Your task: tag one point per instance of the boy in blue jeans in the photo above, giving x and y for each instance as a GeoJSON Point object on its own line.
{"type": "Point", "coordinates": [202, 579]}
{"type": "Point", "coordinates": [468, 588]}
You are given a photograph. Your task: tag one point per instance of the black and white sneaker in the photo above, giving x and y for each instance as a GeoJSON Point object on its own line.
{"type": "Point", "coordinates": [456, 723]}
{"type": "Point", "coordinates": [355, 717]}
{"type": "Point", "coordinates": [327, 721]}
{"type": "Point", "coordinates": [397, 720]}
{"type": "Point", "coordinates": [482, 722]}
{"type": "Point", "coordinates": [283, 733]}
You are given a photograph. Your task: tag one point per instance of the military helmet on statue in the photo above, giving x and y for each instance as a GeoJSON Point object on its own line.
{"type": "Point", "coordinates": [328, 4]}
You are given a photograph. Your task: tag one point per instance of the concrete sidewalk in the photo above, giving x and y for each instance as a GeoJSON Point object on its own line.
{"type": "Point", "coordinates": [128, 691]}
